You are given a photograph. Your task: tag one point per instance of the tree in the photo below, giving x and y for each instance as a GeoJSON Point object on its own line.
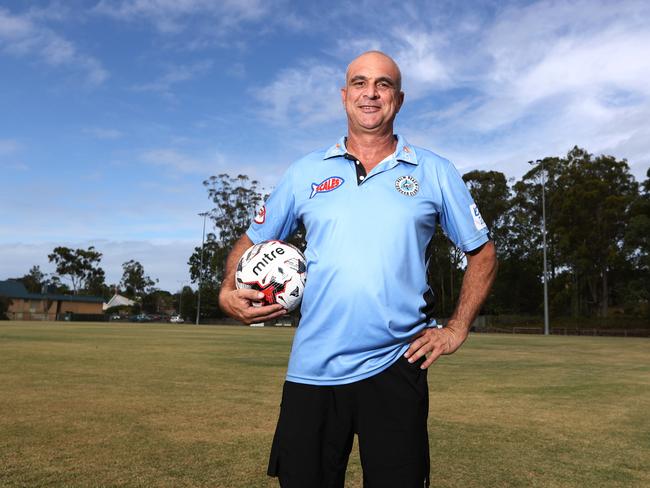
{"type": "Point", "coordinates": [157, 301]}
{"type": "Point", "coordinates": [236, 201]}
{"type": "Point", "coordinates": [81, 266]}
{"type": "Point", "coordinates": [443, 273]}
{"type": "Point", "coordinates": [637, 250]}
{"type": "Point", "coordinates": [34, 280]}
{"type": "Point", "coordinates": [95, 283]}
{"type": "Point", "coordinates": [445, 262]}
{"type": "Point", "coordinates": [4, 306]}
{"type": "Point", "coordinates": [134, 280]}
{"type": "Point", "coordinates": [214, 257]}
{"type": "Point", "coordinates": [186, 305]}
{"type": "Point", "coordinates": [53, 285]}
{"type": "Point", "coordinates": [591, 210]}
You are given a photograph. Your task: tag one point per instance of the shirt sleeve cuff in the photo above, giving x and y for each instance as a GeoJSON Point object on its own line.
{"type": "Point", "coordinates": [474, 243]}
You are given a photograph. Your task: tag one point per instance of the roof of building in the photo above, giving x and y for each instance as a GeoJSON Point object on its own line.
{"type": "Point", "coordinates": [118, 301]}
{"type": "Point", "coordinates": [16, 289]}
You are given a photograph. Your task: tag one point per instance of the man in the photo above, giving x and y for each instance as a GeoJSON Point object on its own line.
{"type": "Point", "coordinates": [370, 205]}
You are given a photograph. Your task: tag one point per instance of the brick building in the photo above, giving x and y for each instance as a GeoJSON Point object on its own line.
{"type": "Point", "coordinates": [46, 306]}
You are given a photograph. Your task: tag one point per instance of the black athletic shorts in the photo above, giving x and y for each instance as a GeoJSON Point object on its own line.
{"type": "Point", "coordinates": [387, 411]}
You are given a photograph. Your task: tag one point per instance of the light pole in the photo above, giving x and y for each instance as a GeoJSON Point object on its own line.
{"type": "Point", "coordinates": [546, 321]}
{"type": "Point", "coordinates": [198, 302]}
{"type": "Point", "coordinates": [180, 297]}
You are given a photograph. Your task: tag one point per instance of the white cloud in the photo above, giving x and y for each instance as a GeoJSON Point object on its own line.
{"type": "Point", "coordinates": [172, 16]}
{"type": "Point", "coordinates": [8, 161]}
{"type": "Point", "coordinates": [302, 96]}
{"type": "Point", "coordinates": [538, 79]}
{"type": "Point", "coordinates": [8, 146]}
{"type": "Point", "coordinates": [175, 75]}
{"type": "Point", "coordinates": [21, 36]}
{"type": "Point", "coordinates": [418, 56]}
{"type": "Point", "coordinates": [103, 133]}
{"type": "Point", "coordinates": [417, 52]}
{"type": "Point", "coordinates": [183, 163]}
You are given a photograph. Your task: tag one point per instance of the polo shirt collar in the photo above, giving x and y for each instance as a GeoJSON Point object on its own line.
{"type": "Point", "coordinates": [404, 151]}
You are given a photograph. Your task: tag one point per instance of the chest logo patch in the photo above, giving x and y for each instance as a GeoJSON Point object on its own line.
{"type": "Point", "coordinates": [260, 217]}
{"type": "Point", "coordinates": [407, 185]}
{"type": "Point", "coordinates": [328, 184]}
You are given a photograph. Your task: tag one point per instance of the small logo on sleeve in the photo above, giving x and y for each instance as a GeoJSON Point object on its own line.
{"type": "Point", "coordinates": [479, 223]}
{"type": "Point", "coordinates": [261, 215]}
{"type": "Point", "coordinates": [328, 184]}
{"type": "Point", "coordinates": [407, 185]}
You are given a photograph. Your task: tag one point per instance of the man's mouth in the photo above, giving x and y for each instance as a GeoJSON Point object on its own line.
{"type": "Point", "coordinates": [369, 108]}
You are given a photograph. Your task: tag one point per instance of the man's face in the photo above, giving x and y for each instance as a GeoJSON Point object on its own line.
{"type": "Point", "coordinates": [371, 96]}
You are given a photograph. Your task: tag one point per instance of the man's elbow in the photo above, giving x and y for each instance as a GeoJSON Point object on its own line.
{"type": "Point", "coordinates": [486, 256]}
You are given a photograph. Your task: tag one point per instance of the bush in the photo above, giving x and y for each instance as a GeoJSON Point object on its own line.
{"type": "Point", "coordinates": [4, 306]}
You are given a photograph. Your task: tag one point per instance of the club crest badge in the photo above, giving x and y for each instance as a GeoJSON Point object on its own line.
{"type": "Point", "coordinates": [260, 217]}
{"type": "Point", "coordinates": [407, 185]}
{"type": "Point", "coordinates": [328, 184]}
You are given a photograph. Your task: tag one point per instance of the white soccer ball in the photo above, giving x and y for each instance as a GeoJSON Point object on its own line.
{"type": "Point", "coordinates": [275, 268]}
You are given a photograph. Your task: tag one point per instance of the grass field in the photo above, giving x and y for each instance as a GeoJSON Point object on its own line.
{"type": "Point", "coordinates": [173, 406]}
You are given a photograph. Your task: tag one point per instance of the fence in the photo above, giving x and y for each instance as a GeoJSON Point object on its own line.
{"type": "Point", "coordinates": [68, 317]}
{"type": "Point", "coordinates": [570, 331]}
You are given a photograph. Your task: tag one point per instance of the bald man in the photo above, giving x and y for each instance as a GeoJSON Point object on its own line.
{"type": "Point", "coordinates": [370, 204]}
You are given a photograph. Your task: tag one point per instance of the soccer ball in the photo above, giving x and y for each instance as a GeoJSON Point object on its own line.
{"type": "Point", "coordinates": [275, 268]}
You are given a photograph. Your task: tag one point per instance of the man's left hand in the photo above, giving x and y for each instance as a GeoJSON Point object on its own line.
{"type": "Point", "coordinates": [435, 342]}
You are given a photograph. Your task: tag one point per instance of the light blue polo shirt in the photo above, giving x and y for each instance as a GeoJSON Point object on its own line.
{"type": "Point", "coordinates": [366, 289]}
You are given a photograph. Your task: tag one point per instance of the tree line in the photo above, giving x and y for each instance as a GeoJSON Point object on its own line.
{"type": "Point", "coordinates": [79, 272]}
{"type": "Point", "coordinates": [597, 231]}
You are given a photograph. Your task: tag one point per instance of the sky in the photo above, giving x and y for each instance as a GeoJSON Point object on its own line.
{"type": "Point", "coordinates": [113, 113]}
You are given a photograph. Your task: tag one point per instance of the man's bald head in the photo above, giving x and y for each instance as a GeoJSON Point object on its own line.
{"type": "Point", "coordinates": [375, 54]}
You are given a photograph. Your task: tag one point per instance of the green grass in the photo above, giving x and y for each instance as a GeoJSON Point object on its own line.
{"type": "Point", "coordinates": [173, 406]}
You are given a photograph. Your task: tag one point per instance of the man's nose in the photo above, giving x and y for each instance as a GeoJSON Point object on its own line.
{"type": "Point", "coordinates": [371, 91]}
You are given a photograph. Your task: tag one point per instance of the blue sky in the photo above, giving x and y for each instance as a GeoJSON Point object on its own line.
{"type": "Point", "coordinates": [114, 112]}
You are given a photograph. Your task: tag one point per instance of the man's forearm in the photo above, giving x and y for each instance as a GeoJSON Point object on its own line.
{"type": "Point", "coordinates": [477, 282]}
{"type": "Point", "coordinates": [235, 254]}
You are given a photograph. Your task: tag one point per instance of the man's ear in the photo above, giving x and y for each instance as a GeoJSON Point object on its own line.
{"type": "Point", "coordinates": [400, 97]}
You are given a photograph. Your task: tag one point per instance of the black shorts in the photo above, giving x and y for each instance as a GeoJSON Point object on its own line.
{"type": "Point", "coordinates": [387, 411]}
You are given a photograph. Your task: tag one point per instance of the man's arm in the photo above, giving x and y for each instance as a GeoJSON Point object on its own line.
{"type": "Point", "coordinates": [239, 303]}
{"type": "Point", "coordinates": [479, 276]}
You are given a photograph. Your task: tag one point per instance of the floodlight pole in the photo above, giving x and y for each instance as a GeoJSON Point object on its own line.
{"type": "Point", "coordinates": [180, 297]}
{"type": "Point", "coordinates": [198, 302]}
{"type": "Point", "coordinates": [546, 325]}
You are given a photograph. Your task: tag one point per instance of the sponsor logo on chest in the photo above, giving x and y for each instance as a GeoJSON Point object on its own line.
{"type": "Point", "coordinates": [328, 184]}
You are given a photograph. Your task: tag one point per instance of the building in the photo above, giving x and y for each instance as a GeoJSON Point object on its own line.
{"type": "Point", "coordinates": [47, 306]}
{"type": "Point", "coordinates": [118, 301]}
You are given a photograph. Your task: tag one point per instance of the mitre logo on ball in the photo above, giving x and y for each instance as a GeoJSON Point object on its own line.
{"type": "Point", "coordinates": [275, 268]}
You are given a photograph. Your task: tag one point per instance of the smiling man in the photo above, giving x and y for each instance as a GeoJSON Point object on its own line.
{"type": "Point", "coordinates": [370, 205]}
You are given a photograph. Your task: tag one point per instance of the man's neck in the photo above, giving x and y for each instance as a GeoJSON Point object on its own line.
{"type": "Point", "coordinates": [371, 149]}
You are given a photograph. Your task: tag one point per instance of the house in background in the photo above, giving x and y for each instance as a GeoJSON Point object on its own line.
{"type": "Point", "coordinates": [118, 301]}
{"type": "Point", "coordinates": [48, 306]}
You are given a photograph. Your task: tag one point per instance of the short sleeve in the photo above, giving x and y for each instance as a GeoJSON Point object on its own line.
{"type": "Point", "coordinates": [460, 217]}
{"type": "Point", "coordinates": [276, 219]}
